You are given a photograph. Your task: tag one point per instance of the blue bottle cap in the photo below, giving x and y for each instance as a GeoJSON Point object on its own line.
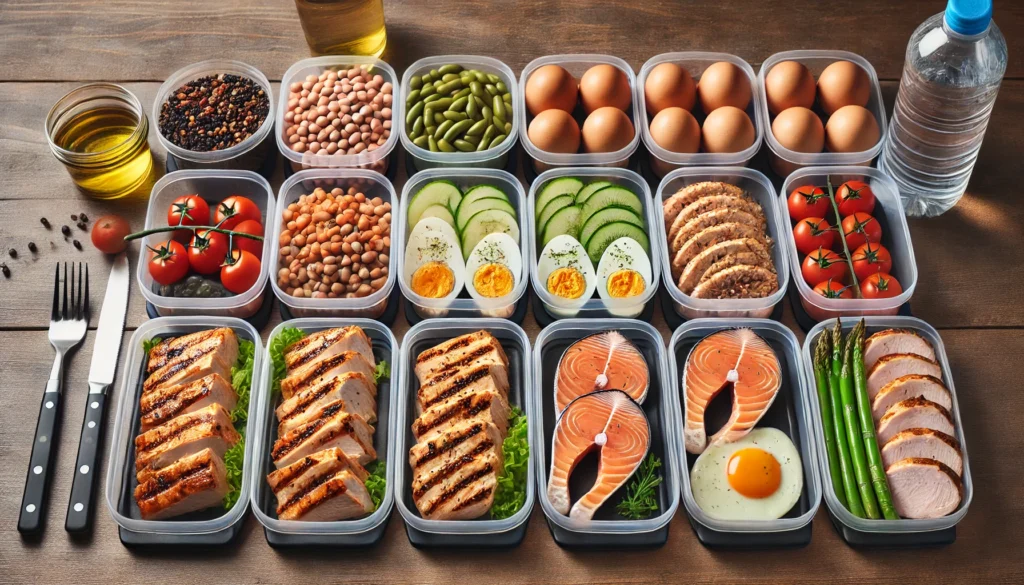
{"type": "Point", "coordinates": [968, 17]}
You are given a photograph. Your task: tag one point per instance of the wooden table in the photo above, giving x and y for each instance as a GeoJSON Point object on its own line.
{"type": "Point", "coordinates": [969, 260]}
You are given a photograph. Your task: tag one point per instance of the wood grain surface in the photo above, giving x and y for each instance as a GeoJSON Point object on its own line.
{"type": "Point", "coordinates": [969, 264]}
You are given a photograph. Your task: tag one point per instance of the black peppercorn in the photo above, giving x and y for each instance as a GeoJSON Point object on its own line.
{"type": "Point", "coordinates": [74, 217]}
{"type": "Point", "coordinates": [6, 270]}
{"type": "Point", "coordinates": [82, 217]}
{"type": "Point", "coordinates": [13, 253]}
{"type": "Point", "coordinates": [77, 244]}
{"type": "Point", "coordinates": [213, 112]}
{"type": "Point", "coordinates": [32, 247]}
{"type": "Point", "coordinates": [65, 230]}
{"type": "Point", "coordinates": [45, 222]}
{"type": "Point", "coordinates": [81, 225]}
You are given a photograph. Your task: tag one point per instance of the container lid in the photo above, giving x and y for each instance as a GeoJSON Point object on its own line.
{"type": "Point", "coordinates": [968, 17]}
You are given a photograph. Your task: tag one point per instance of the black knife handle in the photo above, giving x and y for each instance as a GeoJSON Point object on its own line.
{"type": "Point", "coordinates": [40, 466]}
{"type": "Point", "coordinates": [80, 506]}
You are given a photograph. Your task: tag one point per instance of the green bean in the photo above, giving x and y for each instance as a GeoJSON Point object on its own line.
{"type": "Point", "coordinates": [501, 86]}
{"type": "Point", "coordinates": [448, 77]}
{"type": "Point", "coordinates": [451, 68]}
{"type": "Point", "coordinates": [477, 128]}
{"type": "Point", "coordinates": [456, 129]}
{"type": "Point", "coordinates": [414, 113]}
{"type": "Point", "coordinates": [477, 88]}
{"type": "Point", "coordinates": [480, 103]}
{"type": "Point", "coordinates": [472, 109]}
{"type": "Point", "coordinates": [465, 146]}
{"type": "Point", "coordinates": [489, 133]}
{"type": "Point", "coordinates": [422, 141]}
{"type": "Point", "coordinates": [445, 146]}
{"type": "Point", "coordinates": [491, 89]}
{"type": "Point", "coordinates": [441, 103]}
{"type": "Point", "coordinates": [459, 105]}
{"type": "Point", "coordinates": [416, 83]}
{"type": "Point", "coordinates": [497, 140]}
{"type": "Point", "coordinates": [456, 116]}
{"type": "Point", "coordinates": [483, 145]}
{"type": "Point", "coordinates": [430, 129]}
{"type": "Point", "coordinates": [507, 98]}
{"type": "Point", "coordinates": [480, 76]}
{"type": "Point", "coordinates": [508, 127]}
{"type": "Point", "coordinates": [431, 98]}
{"type": "Point", "coordinates": [442, 129]}
{"type": "Point", "coordinates": [426, 80]}
{"type": "Point", "coordinates": [447, 88]}
{"type": "Point", "coordinates": [414, 95]}
{"type": "Point", "coordinates": [439, 118]}
{"type": "Point", "coordinates": [467, 79]}
{"type": "Point", "coordinates": [487, 113]}
{"type": "Point", "coordinates": [435, 75]}
{"type": "Point", "coordinates": [417, 128]}
{"type": "Point", "coordinates": [499, 108]}
{"type": "Point", "coordinates": [461, 93]}
{"type": "Point", "coordinates": [493, 78]}
{"type": "Point", "coordinates": [498, 126]}
{"type": "Point", "coordinates": [474, 140]}
{"type": "Point", "coordinates": [427, 90]}
{"type": "Point", "coordinates": [432, 144]}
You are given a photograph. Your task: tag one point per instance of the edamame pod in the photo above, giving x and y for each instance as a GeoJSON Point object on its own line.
{"type": "Point", "coordinates": [477, 128]}
{"type": "Point", "coordinates": [427, 90]}
{"type": "Point", "coordinates": [441, 103]}
{"type": "Point", "coordinates": [499, 108]}
{"type": "Point", "coordinates": [447, 88]}
{"type": "Point", "coordinates": [430, 129]}
{"type": "Point", "coordinates": [493, 78]}
{"type": "Point", "coordinates": [477, 88]}
{"type": "Point", "coordinates": [491, 89]}
{"type": "Point", "coordinates": [489, 133]}
{"type": "Point", "coordinates": [435, 75]}
{"type": "Point", "coordinates": [497, 140]}
{"type": "Point", "coordinates": [508, 127]}
{"type": "Point", "coordinates": [456, 116]}
{"type": "Point", "coordinates": [451, 68]}
{"type": "Point", "coordinates": [487, 113]}
{"type": "Point", "coordinates": [501, 86]}
{"type": "Point", "coordinates": [414, 113]}
{"type": "Point", "coordinates": [438, 118]}
{"type": "Point", "coordinates": [432, 144]}
{"type": "Point", "coordinates": [456, 130]}
{"type": "Point", "coordinates": [482, 146]}
{"type": "Point", "coordinates": [443, 129]}
{"type": "Point", "coordinates": [425, 80]}
{"type": "Point", "coordinates": [480, 76]}
{"type": "Point", "coordinates": [474, 140]}
{"type": "Point", "coordinates": [422, 141]}
{"type": "Point", "coordinates": [445, 146]}
{"type": "Point", "coordinates": [465, 146]}
{"type": "Point", "coordinates": [431, 98]}
{"type": "Point", "coordinates": [472, 109]}
{"type": "Point", "coordinates": [461, 93]}
{"type": "Point", "coordinates": [417, 129]}
{"type": "Point", "coordinates": [446, 77]}
{"type": "Point", "coordinates": [459, 105]}
{"type": "Point", "coordinates": [416, 83]}
{"type": "Point", "coordinates": [414, 95]}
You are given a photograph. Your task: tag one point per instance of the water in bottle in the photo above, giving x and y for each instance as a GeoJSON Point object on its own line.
{"type": "Point", "coordinates": [954, 64]}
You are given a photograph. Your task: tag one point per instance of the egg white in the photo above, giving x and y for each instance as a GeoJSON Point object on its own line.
{"type": "Point", "coordinates": [623, 254]}
{"type": "Point", "coordinates": [561, 252]}
{"type": "Point", "coordinates": [433, 240]}
{"type": "Point", "coordinates": [496, 248]}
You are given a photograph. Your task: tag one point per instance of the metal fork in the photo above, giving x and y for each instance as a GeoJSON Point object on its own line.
{"type": "Point", "coordinates": [68, 323]}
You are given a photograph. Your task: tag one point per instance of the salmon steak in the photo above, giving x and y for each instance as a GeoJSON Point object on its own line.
{"type": "Point", "coordinates": [738, 358]}
{"type": "Point", "coordinates": [603, 361]}
{"type": "Point", "coordinates": [609, 421]}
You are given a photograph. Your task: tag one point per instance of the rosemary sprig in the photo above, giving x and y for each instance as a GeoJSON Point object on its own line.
{"type": "Point", "coordinates": [640, 501]}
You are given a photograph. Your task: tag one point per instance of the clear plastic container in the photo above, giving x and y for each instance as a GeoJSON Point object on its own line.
{"type": "Point", "coordinates": [597, 307]}
{"type": "Point", "coordinates": [788, 413]}
{"type": "Point", "coordinates": [492, 158]}
{"type": "Point", "coordinates": [213, 186]}
{"type": "Point", "coordinates": [577, 65]}
{"type": "Point", "coordinates": [481, 532]}
{"type": "Point", "coordinates": [696, 62]}
{"type": "Point", "coordinates": [355, 532]}
{"type": "Point", "coordinates": [464, 305]}
{"type": "Point", "coordinates": [247, 155]}
{"type": "Point", "coordinates": [208, 527]}
{"type": "Point", "coordinates": [372, 184]}
{"type": "Point", "coordinates": [895, 237]}
{"type": "Point", "coordinates": [783, 160]}
{"type": "Point", "coordinates": [661, 406]}
{"type": "Point", "coordinates": [888, 533]}
{"type": "Point", "coordinates": [760, 189]}
{"type": "Point", "coordinates": [378, 160]}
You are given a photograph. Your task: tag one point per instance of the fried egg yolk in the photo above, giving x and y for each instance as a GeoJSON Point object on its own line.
{"type": "Point", "coordinates": [625, 283]}
{"type": "Point", "coordinates": [433, 280]}
{"type": "Point", "coordinates": [754, 473]}
{"type": "Point", "coordinates": [493, 280]}
{"type": "Point", "coordinates": [567, 282]}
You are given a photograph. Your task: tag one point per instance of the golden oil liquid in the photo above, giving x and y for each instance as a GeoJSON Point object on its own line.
{"type": "Point", "coordinates": [106, 157]}
{"type": "Point", "coordinates": [343, 27]}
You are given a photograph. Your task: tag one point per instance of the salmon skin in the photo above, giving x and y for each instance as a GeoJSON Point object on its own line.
{"type": "Point", "coordinates": [738, 358]}
{"type": "Point", "coordinates": [608, 420]}
{"type": "Point", "coordinates": [603, 361]}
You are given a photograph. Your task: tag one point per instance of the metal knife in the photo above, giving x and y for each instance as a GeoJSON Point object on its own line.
{"type": "Point", "coordinates": [105, 351]}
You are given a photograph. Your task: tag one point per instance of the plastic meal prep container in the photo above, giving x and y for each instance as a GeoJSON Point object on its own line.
{"type": "Point", "coordinates": [354, 532]}
{"type": "Point", "coordinates": [577, 65]}
{"type": "Point", "coordinates": [481, 532]}
{"type": "Point", "coordinates": [785, 161]}
{"type": "Point", "coordinates": [212, 526]}
{"type": "Point", "coordinates": [789, 413]}
{"type": "Point", "coordinates": [492, 158]}
{"type": "Point", "coordinates": [661, 406]}
{"type": "Point", "coordinates": [895, 237]}
{"type": "Point", "coordinates": [248, 154]}
{"type": "Point", "coordinates": [213, 186]}
{"type": "Point", "coordinates": [759, 188]}
{"type": "Point", "coordinates": [597, 307]}
{"type": "Point", "coordinates": [378, 159]}
{"type": "Point", "coordinates": [370, 183]}
{"type": "Point", "coordinates": [888, 533]}
{"type": "Point", "coordinates": [464, 305]}
{"type": "Point", "coordinates": [695, 63]}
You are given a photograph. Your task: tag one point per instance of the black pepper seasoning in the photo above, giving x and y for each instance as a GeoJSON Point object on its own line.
{"type": "Point", "coordinates": [32, 247]}
{"type": "Point", "coordinates": [13, 253]}
{"type": "Point", "coordinates": [65, 230]}
{"type": "Point", "coordinates": [77, 244]}
{"type": "Point", "coordinates": [82, 217]}
{"type": "Point", "coordinates": [45, 222]}
{"type": "Point", "coordinates": [213, 112]}
{"type": "Point", "coordinates": [6, 270]}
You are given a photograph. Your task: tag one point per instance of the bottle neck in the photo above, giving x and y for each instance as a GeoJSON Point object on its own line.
{"type": "Point", "coordinates": [962, 37]}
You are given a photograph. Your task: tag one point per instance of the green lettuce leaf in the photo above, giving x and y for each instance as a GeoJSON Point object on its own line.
{"type": "Point", "coordinates": [510, 495]}
{"type": "Point", "coordinates": [234, 459]}
{"type": "Point", "coordinates": [377, 482]}
{"type": "Point", "coordinates": [148, 344]}
{"type": "Point", "coordinates": [241, 381]}
{"type": "Point", "coordinates": [383, 370]}
{"type": "Point", "coordinates": [278, 345]}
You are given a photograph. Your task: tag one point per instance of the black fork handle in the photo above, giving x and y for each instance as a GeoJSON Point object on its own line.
{"type": "Point", "coordinates": [80, 506]}
{"type": "Point", "coordinates": [40, 465]}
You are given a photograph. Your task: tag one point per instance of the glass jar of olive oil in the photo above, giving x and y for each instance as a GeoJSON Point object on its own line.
{"type": "Point", "coordinates": [343, 27]}
{"type": "Point", "coordinates": [100, 133]}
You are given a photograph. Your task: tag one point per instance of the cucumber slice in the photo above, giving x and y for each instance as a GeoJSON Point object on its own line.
{"type": "Point", "coordinates": [564, 221]}
{"type": "Point", "coordinates": [606, 216]}
{"type": "Point", "coordinates": [611, 197]}
{"type": "Point", "coordinates": [440, 211]}
{"type": "Point", "coordinates": [554, 188]}
{"type": "Point", "coordinates": [482, 192]}
{"type": "Point", "coordinates": [590, 189]}
{"type": "Point", "coordinates": [551, 208]}
{"type": "Point", "coordinates": [610, 232]}
{"type": "Point", "coordinates": [468, 210]}
{"type": "Point", "coordinates": [487, 222]}
{"type": "Point", "coordinates": [433, 193]}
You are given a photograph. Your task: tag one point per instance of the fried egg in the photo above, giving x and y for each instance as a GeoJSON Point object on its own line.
{"type": "Point", "coordinates": [566, 273]}
{"type": "Point", "coordinates": [494, 267]}
{"type": "Point", "coordinates": [433, 260]}
{"type": "Point", "coordinates": [623, 272]}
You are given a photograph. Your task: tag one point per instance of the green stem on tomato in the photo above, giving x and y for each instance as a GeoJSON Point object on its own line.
{"type": "Point", "coordinates": [842, 237]}
{"type": "Point", "coordinates": [193, 228]}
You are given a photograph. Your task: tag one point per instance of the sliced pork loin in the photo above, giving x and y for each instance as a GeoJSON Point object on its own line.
{"type": "Point", "coordinates": [326, 486]}
{"type": "Point", "coordinates": [207, 428]}
{"type": "Point", "coordinates": [462, 382]}
{"type": "Point", "coordinates": [892, 366]}
{"type": "Point", "coordinates": [914, 413]}
{"type": "Point", "coordinates": [923, 488]}
{"type": "Point", "coordinates": [353, 388]}
{"type": "Point", "coordinates": [325, 369]}
{"type": "Point", "coordinates": [321, 345]}
{"type": "Point", "coordinates": [194, 482]}
{"type": "Point", "coordinates": [479, 347]}
{"type": "Point", "coordinates": [911, 386]}
{"type": "Point", "coordinates": [167, 402]}
{"type": "Point", "coordinates": [482, 405]}
{"type": "Point", "coordinates": [329, 426]}
{"type": "Point", "coordinates": [893, 341]}
{"type": "Point", "coordinates": [924, 444]}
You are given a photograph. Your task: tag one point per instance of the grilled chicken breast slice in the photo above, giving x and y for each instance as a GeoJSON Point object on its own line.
{"type": "Point", "coordinates": [329, 426]}
{"type": "Point", "coordinates": [315, 347]}
{"type": "Point", "coordinates": [206, 428]}
{"type": "Point", "coordinates": [485, 406]}
{"type": "Point", "coordinates": [325, 369]}
{"type": "Point", "coordinates": [222, 341]}
{"type": "Point", "coordinates": [188, 370]}
{"type": "Point", "coordinates": [167, 402]}
{"type": "Point", "coordinates": [194, 482]}
{"type": "Point", "coordinates": [324, 486]}
{"type": "Point", "coordinates": [479, 347]}
{"type": "Point", "coordinates": [353, 388]}
{"type": "Point", "coordinates": [480, 377]}
{"type": "Point", "coordinates": [455, 473]}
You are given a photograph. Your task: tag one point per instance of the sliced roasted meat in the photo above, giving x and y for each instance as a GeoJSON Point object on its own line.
{"type": "Point", "coordinates": [709, 237]}
{"type": "Point", "coordinates": [893, 341]}
{"type": "Point", "coordinates": [911, 386]}
{"type": "Point", "coordinates": [475, 348]}
{"type": "Point", "coordinates": [923, 444]}
{"type": "Point", "coordinates": [354, 389]}
{"type": "Point", "coordinates": [194, 482]}
{"type": "Point", "coordinates": [896, 365]}
{"type": "Point", "coordinates": [462, 383]}
{"type": "Point", "coordinates": [487, 406]}
{"type": "Point", "coordinates": [221, 342]}
{"type": "Point", "coordinates": [730, 260]}
{"type": "Point", "coordinates": [738, 282]}
{"type": "Point", "coordinates": [914, 413]}
{"type": "Point", "coordinates": [675, 204]}
{"type": "Point", "coordinates": [455, 473]}
{"type": "Point", "coordinates": [711, 219]}
{"type": "Point", "coordinates": [318, 346]}
{"type": "Point", "coordinates": [331, 367]}
{"type": "Point", "coordinates": [696, 268]}
{"type": "Point", "coordinates": [325, 486]}
{"type": "Point", "coordinates": [329, 426]}
{"type": "Point", "coordinates": [923, 488]}
{"type": "Point", "coordinates": [709, 203]}
{"type": "Point", "coordinates": [167, 402]}
{"type": "Point", "coordinates": [206, 428]}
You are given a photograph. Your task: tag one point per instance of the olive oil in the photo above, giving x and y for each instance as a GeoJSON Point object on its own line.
{"type": "Point", "coordinates": [343, 27]}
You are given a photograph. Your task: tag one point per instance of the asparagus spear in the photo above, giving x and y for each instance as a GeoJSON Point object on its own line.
{"type": "Point", "coordinates": [867, 426]}
{"type": "Point", "coordinates": [853, 503]}
{"type": "Point", "coordinates": [821, 373]}
{"type": "Point", "coordinates": [860, 465]}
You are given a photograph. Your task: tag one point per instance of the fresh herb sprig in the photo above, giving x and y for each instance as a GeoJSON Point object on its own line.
{"type": "Point", "coordinates": [510, 494]}
{"type": "Point", "coordinates": [149, 344]}
{"type": "Point", "coordinates": [383, 370]}
{"type": "Point", "coordinates": [640, 501]}
{"type": "Point", "coordinates": [377, 482]}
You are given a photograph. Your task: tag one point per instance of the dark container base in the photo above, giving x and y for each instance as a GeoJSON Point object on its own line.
{"type": "Point", "coordinates": [806, 322]}
{"type": "Point", "coordinates": [365, 539]}
{"type": "Point", "coordinates": [856, 538]}
{"type": "Point", "coordinates": [286, 165]}
{"type": "Point", "coordinates": [259, 319]}
{"type": "Point", "coordinates": [530, 173]}
{"type": "Point", "coordinates": [798, 538]}
{"type": "Point", "coordinates": [569, 539]}
{"type": "Point", "coordinates": [133, 539]}
{"type": "Point", "coordinates": [543, 318]}
{"type": "Point", "coordinates": [509, 539]}
{"type": "Point", "coordinates": [387, 317]}
{"type": "Point", "coordinates": [675, 320]}
{"type": "Point", "coordinates": [517, 316]}
{"type": "Point", "coordinates": [510, 165]}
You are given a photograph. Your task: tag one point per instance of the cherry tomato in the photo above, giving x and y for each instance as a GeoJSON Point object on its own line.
{"type": "Point", "coordinates": [813, 233]}
{"type": "Point", "coordinates": [880, 286]}
{"type": "Point", "coordinates": [854, 196]}
{"type": "Point", "coordinates": [861, 228]}
{"type": "Point", "coordinates": [108, 234]}
{"type": "Point", "coordinates": [188, 210]}
{"type": "Point", "coordinates": [807, 201]}
{"type": "Point", "coordinates": [207, 251]}
{"type": "Point", "coordinates": [254, 247]}
{"type": "Point", "coordinates": [870, 259]}
{"type": "Point", "coordinates": [240, 272]}
{"type": "Point", "coordinates": [168, 263]}
{"type": "Point", "coordinates": [234, 210]}
{"type": "Point", "coordinates": [831, 289]}
{"type": "Point", "coordinates": [821, 265]}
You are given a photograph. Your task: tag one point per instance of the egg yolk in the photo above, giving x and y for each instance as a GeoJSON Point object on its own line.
{"type": "Point", "coordinates": [433, 280]}
{"type": "Point", "coordinates": [567, 283]}
{"type": "Point", "coordinates": [625, 283]}
{"type": "Point", "coordinates": [754, 473]}
{"type": "Point", "coordinates": [493, 280]}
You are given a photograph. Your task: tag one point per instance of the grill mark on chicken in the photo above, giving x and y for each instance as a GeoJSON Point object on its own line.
{"type": "Point", "coordinates": [158, 484]}
{"type": "Point", "coordinates": [448, 470]}
{"type": "Point", "coordinates": [452, 369]}
{"type": "Point", "coordinates": [316, 351]}
{"type": "Point", "coordinates": [165, 437]}
{"type": "Point", "coordinates": [310, 428]}
{"type": "Point", "coordinates": [300, 407]}
{"type": "Point", "coordinates": [324, 367]}
{"type": "Point", "coordinates": [464, 406]}
{"type": "Point", "coordinates": [435, 352]}
{"type": "Point", "coordinates": [306, 490]}
{"type": "Point", "coordinates": [457, 386]}
{"type": "Point", "coordinates": [175, 395]}
{"type": "Point", "coordinates": [294, 471]}
{"type": "Point", "coordinates": [434, 450]}
{"type": "Point", "coordinates": [477, 497]}
{"type": "Point", "coordinates": [177, 367]}
{"type": "Point", "coordinates": [457, 488]}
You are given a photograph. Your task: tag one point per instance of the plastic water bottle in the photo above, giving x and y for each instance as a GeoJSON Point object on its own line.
{"type": "Point", "coordinates": [954, 64]}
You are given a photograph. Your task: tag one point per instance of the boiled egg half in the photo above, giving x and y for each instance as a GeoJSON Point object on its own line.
{"type": "Point", "coordinates": [434, 267]}
{"type": "Point", "coordinates": [623, 272]}
{"type": "Point", "coordinates": [566, 273]}
{"type": "Point", "coordinates": [494, 267]}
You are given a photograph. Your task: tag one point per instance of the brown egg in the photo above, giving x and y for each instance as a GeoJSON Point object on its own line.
{"type": "Point", "coordinates": [604, 85]}
{"type": "Point", "coordinates": [668, 86]}
{"type": "Point", "coordinates": [727, 129]}
{"type": "Point", "coordinates": [851, 129]}
{"type": "Point", "coordinates": [799, 129]}
{"type": "Point", "coordinates": [676, 130]}
{"type": "Point", "coordinates": [607, 129]}
{"type": "Point", "coordinates": [789, 84]}
{"type": "Point", "coordinates": [550, 88]}
{"type": "Point", "coordinates": [843, 83]}
{"type": "Point", "coordinates": [555, 131]}
{"type": "Point", "coordinates": [723, 84]}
